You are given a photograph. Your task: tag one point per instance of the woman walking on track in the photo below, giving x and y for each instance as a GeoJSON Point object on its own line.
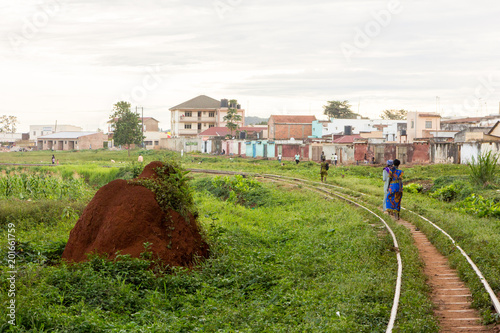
{"type": "Point", "coordinates": [395, 190]}
{"type": "Point", "coordinates": [386, 179]}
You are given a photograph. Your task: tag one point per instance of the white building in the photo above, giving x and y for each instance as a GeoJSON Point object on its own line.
{"type": "Point", "coordinates": [41, 130]}
{"type": "Point", "coordinates": [199, 114]}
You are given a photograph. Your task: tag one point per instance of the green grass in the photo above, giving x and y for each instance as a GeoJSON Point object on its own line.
{"type": "Point", "coordinates": [290, 267]}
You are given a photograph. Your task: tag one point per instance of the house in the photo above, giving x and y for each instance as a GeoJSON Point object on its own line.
{"type": "Point", "coordinates": [72, 141]}
{"type": "Point", "coordinates": [420, 124]}
{"type": "Point", "coordinates": [389, 130]}
{"type": "Point", "coordinates": [289, 127]}
{"type": "Point", "coordinates": [40, 130]}
{"type": "Point", "coordinates": [477, 134]}
{"type": "Point", "coordinates": [201, 113]}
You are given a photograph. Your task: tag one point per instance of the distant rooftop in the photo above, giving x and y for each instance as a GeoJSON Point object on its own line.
{"type": "Point", "coordinates": [200, 102]}
{"type": "Point", "coordinates": [292, 119]}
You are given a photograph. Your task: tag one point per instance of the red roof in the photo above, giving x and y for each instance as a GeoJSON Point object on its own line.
{"type": "Point", "coordinates": [347, 138]}
{"type": "Point", "coordinates": [292, 119]}
{"type": "Point", "coordinates": [223, 131]}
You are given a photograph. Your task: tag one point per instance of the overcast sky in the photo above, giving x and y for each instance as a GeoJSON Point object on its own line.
{"type": "Point", "coordinates": [70, 60]}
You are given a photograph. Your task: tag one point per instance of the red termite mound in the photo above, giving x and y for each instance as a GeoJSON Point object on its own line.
{"type": "Point", "coordinates": [122, 217]}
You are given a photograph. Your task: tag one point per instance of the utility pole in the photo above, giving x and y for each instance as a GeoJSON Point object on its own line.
{"type": "Point", "coordinates": [142, 125]}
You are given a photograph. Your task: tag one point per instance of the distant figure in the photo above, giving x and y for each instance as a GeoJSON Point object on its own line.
{"type": "Point", "coordinates": [373, 160]}
{"type": "Point", "coordinates": [323, 157]}
{"type": "Point", "coordinates": [335, 158]}
{"type": "Point", "coordinates": [279, 157]}
{"type": "Point", "coordinates": [297, 158]}
{"type": "Point", "coordinates": [223, 152]}
{"type": "Point", "coordinates": [53, 159]}
{"type": "Point", "coordinates": [140, 159]}
{"type": "Point", "coordinates": [324, 171]}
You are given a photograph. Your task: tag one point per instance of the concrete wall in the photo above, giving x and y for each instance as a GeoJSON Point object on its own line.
{"type": "Point", "coordinates": [92, 141]}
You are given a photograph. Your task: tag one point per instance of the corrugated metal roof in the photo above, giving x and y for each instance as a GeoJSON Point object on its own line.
{"type": "Point", "coordinates": [200, 102]}
{"type": "Point", "coordinates": [347, 138]}
{"type": "Point", "coordinates": [66, 135]}
{"type": "Point", "coordinates": [223, 131]}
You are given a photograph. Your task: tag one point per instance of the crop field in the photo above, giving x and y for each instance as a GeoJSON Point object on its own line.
{"type": "Point", "coordinates": [282, 258]}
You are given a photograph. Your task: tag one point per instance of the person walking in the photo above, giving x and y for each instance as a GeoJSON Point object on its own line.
{"type": "Point", "coordinates": [323, 171]}
{"type": "Point", "coordinates": [53, 159]}
{"type": "Point", "coordinates": [323, 157]}
{"type": "Point", "coordinates": [386, 178]}
{"type": "Point", "coordinates": [297, 158]}
{"type": "Point", "coordinates": [335, 158]}
{"type": "Point", "coordinates": [279, 157]}
{"type": "Point", "coordinates": [395, 190]}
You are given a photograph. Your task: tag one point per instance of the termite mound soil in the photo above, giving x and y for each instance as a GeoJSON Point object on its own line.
{"type": "Point", "coordinates": [123, 216]}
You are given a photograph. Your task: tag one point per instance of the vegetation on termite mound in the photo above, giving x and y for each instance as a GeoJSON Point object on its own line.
{"type": "Point", "coordinates": [171, 188]}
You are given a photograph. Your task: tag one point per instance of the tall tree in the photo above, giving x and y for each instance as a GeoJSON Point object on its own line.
{"type": "Point", "coordinates": [339, 110]}
{"type": "Point", "coordinates": [8, 124]}
{"type": "Point", "coordinates": [232, 116]}
{"type": "Point", "coordinates": [127, 125]}
{"type": "Point", "coordinates": [394, 114]}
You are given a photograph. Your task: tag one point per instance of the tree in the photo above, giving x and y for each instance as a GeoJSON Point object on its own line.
{"type": "Point", "coordinates": [127, 125]}
{"type": "Point", "coordinates": [339, 110]}
{"type": "Point", "coordinates": [232, 116]}
{"type": "Point", "coordinates": [394, 114]}
{"type": "Point", "coordinates": [8, 124]}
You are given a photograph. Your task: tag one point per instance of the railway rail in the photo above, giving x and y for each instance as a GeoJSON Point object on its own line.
{"type": "Point", "coordinates": [330, 190]}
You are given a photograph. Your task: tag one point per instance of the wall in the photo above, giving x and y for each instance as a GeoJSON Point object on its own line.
{"type": "Point", "coordinates": [445, 152]}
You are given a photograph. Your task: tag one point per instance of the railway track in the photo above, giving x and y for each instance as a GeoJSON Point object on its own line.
{"type": "Point", "coordinates": [449, 293]}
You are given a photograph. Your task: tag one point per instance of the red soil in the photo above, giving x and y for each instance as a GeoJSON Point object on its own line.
{"type": "Point", "coordinates": [122, 217]}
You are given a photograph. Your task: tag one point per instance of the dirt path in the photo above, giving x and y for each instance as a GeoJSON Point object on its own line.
{"type": "Point", "coordinates": [449, 294]}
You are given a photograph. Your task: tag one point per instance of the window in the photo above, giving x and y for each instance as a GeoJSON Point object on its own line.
{"type": "Point", "coordinates": [34, 133]}
{"type": "Point", "coordinates": [199, 126]}
{"type": "Point", "coordinates": [211, 114]}
{"type": "Point", "coordinates": [187, 126]}
{"type": "Point", "coordinates": [188, 114]}
{"type": "Point", "coordinates": [148, 143]}
{"type": "Point", "coordinates": [412, 124]}
{"type": "Point", "coordinates": [211, 125]}
{"type": "Point", "coordinates": [65, 142]}
{"type": "Point", "coordinates": [199, 113]}
{"type": "Point", "coordinates": [157, 143]}
{"type": "Point", "coordinates": [428, 124]}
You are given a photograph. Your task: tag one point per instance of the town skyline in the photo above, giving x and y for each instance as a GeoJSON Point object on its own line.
{"type": "Point", "coordinates": [70, 61]}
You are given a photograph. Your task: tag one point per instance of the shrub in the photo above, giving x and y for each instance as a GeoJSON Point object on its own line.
{"type": "Point", "coordinates": [483, 171]}
{"type": "Point", "coordinates": [477, 205]}
{"type": "Point", "coordinates": [413, 188]}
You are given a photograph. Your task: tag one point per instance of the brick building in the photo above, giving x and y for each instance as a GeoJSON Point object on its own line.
{"type": "Point", "coordinates": [286, 127]}
{"type": "Point", "coordinates": [71, 141]}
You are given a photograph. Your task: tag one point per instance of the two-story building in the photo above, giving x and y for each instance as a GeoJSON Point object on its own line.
{"type": "Point", "coordinates": [192, 117]}
{"type": "Point", "coordinates": [421, 124]}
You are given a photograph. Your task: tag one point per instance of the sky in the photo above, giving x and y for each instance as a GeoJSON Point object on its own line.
{"type": "Point", "coordinates": [70, 61]}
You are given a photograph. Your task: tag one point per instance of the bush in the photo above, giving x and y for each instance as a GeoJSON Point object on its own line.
{"type": "Point", "coordinates": [238, 190]}
{"type": "Point", "coordinates": [483, 171]}
{"type": "Point", "coordinates": [456, 191]}
{"type": "Point", "coordinates": [413, 188]}
{"type": "Point", "coordinates": [477, 205]}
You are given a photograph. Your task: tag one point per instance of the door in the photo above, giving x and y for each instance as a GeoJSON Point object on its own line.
{"type": "Point", "coordinates": [254, 150]}
{"type": "Point", "coordinates": [265, 150]}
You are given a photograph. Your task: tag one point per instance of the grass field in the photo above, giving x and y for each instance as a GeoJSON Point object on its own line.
{"type": "Point", "coordinates": [290, 261]}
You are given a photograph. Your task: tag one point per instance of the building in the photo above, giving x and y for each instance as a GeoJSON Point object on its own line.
{"type": "Point", "coordinates": [389, 130]}
{"type": "Point", "coordinates": [199, 114]}
{"type": "Point", "coordinates": [72, 141]}
{"type": "Point", "coordinates": [477, 134]}
{"type": "Point", "coordinates": [290, 127]}
{"type": "Point", "coordinates": [41, 130]}
{"type": "Point", "coordinates": [421, 124]}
